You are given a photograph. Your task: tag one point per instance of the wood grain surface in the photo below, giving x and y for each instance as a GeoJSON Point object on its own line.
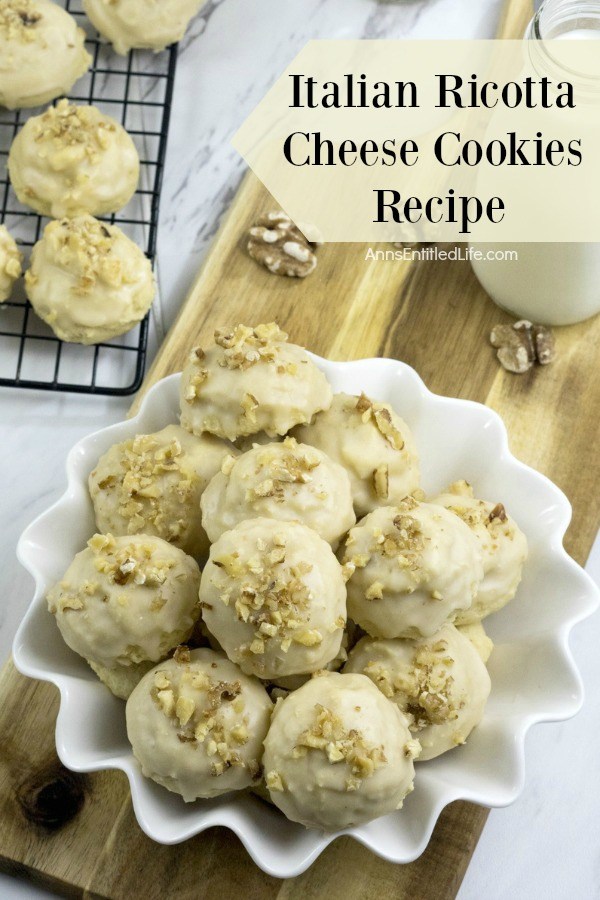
{"type": "Point", "coordinates": [77, 833]}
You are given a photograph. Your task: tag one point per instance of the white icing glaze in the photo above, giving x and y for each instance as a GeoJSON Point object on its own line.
{"type": "Point", "coordinates": [88, 281]}
{"type": "Point", "coordinates": [503, 549]}
{"type": "Point", "coordinates": [440, 683]}
{"type": "Point", "coordinates": [42, 52]}
{"type": "Point", "coordinates": [415, 566]}
{"type": "Point", "coordinates": [251, 380]}
{"type": "Point", "coordinates": [363, 440]}
{"type": "Point", "coordinates": [150, 24]}
{"type": "Point", "coordinates": [126, 600]}
{"type": "Point", "coordinates": [286, 481]}
{"type": "Point", "coordinates": [197, 724]}
{"type": "Point", "coordinates": [338, 753]}
{"type": "Point", "coordinates": [273, 595]}
{"type": "Point", "coordinates": [152, 484]}
{"type": "Point", "coordinates": [72, 160]}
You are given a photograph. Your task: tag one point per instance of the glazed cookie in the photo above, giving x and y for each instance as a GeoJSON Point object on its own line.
{"type": "Point", "coordinates": [42, 52]}
{"type": "Point", "coordinates": [197, 724]}
{"type": "Point", "coordinates": [476, 633]}
{"type": "Point", "coordinates": [144, 24]}
{"type": "Point", "coordinates": [440, 684]}
{"type": "Point", "coordinates": [273, 595]}
{"type": "Point", "coordinates": [126, 600]}
{"type": "Point", "coordinates": [72, 160]}
{"type": "Point", "coordinates": [88, 281]}
{"type": "Point", "coordinates": [283, 481]}
{"type": "Point", "coordinates": [251, 380]}
{"type": "Point", "coordinates": [293, 682]}
{"type": "Point", "coordinates": [503, 549]}
{"type": "Point", "coordinates": [121, 680]}
{"type": "Point", "coordinates": [10, 263]}
{"type": "Point", "coordinates": [414, 567]}
{"type": "Point", "coordinates": [372, 443]}
{"type": "Point", "coordinates": [152, 484]}
{"type": "Point", "coordinates": [338, 753]}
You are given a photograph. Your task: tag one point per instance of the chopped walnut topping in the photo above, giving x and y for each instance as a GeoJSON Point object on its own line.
{"type": "Point", "coordinates": [200, 721]}
{"type": "Point", "coordinates": [68, 601]}
{"type": "Point", "coordinates": [292, 466]}
{"type": "Point", "coordinates": [10, 263]}
{"type": "Point", "coordinates": [339, 744]}
{"type": "Point", "coordinates": [182, 655]}
{"type": "Point", "coordinates": [161, 681]}
{"type": "Point", "coordinates": [244, 346]}
{"type": "Point", "coordinates": [199, 375]}
{"type": "Point", "coordinates": [348, 570]}
{"type": "Point", "coordinates": [249, 406]}
{"type": "Point", "coordinates": [404, 542]}
{"type": "Point", "coordinates": [274, 781]}
{"type": "Point", "coordinates": [270, 595]}
{"type": "Point", "coordinates": [240, 735]}
{"type": "Point", "coordinates": [278, 244]}
{"type": "Point", "coordinates": [462, 488]}
{"type": "Point", "coordinates": [381, 482]}
{"type": "Point", "coordinates": [17, 20]}
{"type": "Point", "coordinates": [412, 749]}
{"type": "Point", "coordinates": [166, 701]}
{"type": "Point", "coordinates": [426, 689]}
{"type": "Point", "coordinates": [148, 473]}
{"type": "Point", "coordinates": [379, 414]}
{"type": "Point", "coordinates": [498, 512]}
{"type": "Point", "coordinates": [85, 247]}
{"type": "Point", "coordinates": [478, 514]}
{"type": "Point", "coordinates": [184, 709]}
{"type": "Point", "coordinates": [375, 591]}
{"type": "Point", "coordinates": [134, 563]}
{"type": "Point", "coordinates": [67, 125]}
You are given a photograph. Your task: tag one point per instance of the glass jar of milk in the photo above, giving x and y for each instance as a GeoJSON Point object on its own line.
{"type": "Point", "coordinates": [553, 284]}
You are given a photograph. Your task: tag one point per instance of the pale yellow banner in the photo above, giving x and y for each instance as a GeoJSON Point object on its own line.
{"type": "Point", "coordinates": [434, 140]}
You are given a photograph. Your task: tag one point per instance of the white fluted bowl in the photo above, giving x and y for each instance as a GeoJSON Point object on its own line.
{"type": "Point", "coordinates": [533, 675]}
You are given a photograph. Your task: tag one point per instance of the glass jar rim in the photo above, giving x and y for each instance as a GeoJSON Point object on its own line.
{"type": "Point", "coordinates": [577, 14]}
{"type": "Point", "coordinates": [572, 10]}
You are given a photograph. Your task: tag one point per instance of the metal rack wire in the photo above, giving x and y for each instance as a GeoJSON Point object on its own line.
{"type": "Point", "coordinates": [137, 91]}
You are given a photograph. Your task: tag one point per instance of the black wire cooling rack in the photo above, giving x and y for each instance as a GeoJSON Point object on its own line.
{"type": "Point", "coordinates": [137, 91]}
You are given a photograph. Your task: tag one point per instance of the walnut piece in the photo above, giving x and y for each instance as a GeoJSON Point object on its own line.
{"type": "Point", "coordinates": [426, 686]}
{"type": "Point", "coordinates": [17, 21]}
{"type": "Point", "coordinates": [381, 482]}
{"type": "Point", "coordinates": [273, 596]}
{"type": "Point", "coordinates": [545, 348]}
{"type": "Point", "coordinates": [329, 735]}
{"type": "Point", "coordinates": [68, 125]}
{"type": "Point", "coordinates": [278, 244]}
{"type": "Point", "coordinates": [380, 415]}
{"type": "Point", "coordinates": [498, 512]}
{"type": "Point", "coordinates": [522, 345]}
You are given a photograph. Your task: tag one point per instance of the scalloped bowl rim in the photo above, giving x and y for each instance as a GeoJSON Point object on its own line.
{"type": "Point", "coordinates": [307, 845]}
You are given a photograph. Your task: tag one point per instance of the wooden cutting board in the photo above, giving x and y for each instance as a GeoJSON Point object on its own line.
{"type": "Point", "coordinates": [78, 834]}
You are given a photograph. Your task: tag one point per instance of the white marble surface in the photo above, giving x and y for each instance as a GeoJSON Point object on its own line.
{"type": "Point", "coordinates": [542, 846]}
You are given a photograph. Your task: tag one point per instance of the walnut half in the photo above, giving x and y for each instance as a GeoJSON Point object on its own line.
{"type": "Point", "coordinates": [278, 244]}
{"type": "Point", "coordinates": [522, 344]}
